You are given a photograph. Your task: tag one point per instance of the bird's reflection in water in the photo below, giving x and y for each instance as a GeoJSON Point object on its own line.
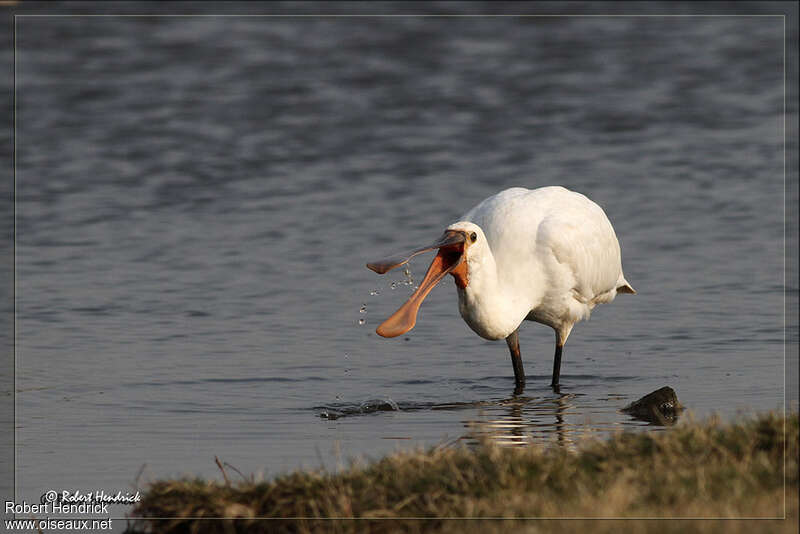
{"type": "Point", "coordinates": [551, 417]}
{"type": "Point", "coordinates": [520, 421]}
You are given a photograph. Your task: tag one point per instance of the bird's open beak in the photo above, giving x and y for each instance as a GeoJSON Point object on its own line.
{"type": "Point", "coordinates": [451, 254]}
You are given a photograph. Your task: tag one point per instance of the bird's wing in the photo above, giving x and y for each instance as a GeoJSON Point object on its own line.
{"type": "Point", "coordinates": [583, 244]}
{"type": "Point", "coordinates": [564, 232]}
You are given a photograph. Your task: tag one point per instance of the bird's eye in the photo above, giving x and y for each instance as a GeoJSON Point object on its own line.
{"type": "Point", "coordinates": [473, 237]}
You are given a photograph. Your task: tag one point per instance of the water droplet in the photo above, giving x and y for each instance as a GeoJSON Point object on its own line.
{"type": "Point", "coordinates": [394, 285]}
{"type": "Point", "coordinates": [363, 308]}
{"type": "Point", "coordinates": [409, 278]}
{"type": "Point", "coordinates": [346, 355]}
{"type": "Point", "coordinates": [361, 321]}
{"type": "Point", "coordinates": [374, 292]}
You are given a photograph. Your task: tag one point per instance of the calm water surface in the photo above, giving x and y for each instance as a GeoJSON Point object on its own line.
{"type": "Point", "coordinates": [197, 198]}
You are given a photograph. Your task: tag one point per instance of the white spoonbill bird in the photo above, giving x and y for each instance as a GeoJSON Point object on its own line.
{"type": "Point", "coordinates": [547, 255]}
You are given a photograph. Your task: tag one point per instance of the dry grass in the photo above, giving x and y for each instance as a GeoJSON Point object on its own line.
{"type": "Point", "coordinates": [705, 470]}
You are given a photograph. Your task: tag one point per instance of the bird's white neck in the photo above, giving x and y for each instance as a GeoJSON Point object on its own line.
{"type": "Point", "coordinates": [489, 304]}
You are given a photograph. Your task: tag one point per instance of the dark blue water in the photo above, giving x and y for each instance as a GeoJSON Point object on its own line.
{"type": "Point", "coordinates": [197, 198]}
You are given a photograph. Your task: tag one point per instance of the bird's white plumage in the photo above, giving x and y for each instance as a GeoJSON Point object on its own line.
{"type": "Point", "coordinates": [548, 255]}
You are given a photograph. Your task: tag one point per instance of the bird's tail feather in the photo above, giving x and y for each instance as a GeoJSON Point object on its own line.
{"type": "Point", "coordinates": [626, 288]}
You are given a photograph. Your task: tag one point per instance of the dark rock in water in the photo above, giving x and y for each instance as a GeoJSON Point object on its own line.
{"type": "Point", "coordinates": [660, 407]}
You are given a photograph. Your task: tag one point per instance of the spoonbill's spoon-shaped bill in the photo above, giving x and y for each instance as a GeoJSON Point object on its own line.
{"type": "Point", "coordinates": [385, 265]}
{"type": "Point", "coordinates": [450, 256]}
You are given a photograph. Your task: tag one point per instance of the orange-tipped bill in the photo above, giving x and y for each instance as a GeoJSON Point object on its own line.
{"type": "Point", "coordinates": [450, 256]}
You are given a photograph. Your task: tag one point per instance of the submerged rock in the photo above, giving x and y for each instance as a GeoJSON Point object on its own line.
{"type": "Point", "coordinates": [660, 407]}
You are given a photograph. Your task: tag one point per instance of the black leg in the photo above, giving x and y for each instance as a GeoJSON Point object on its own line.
{"type": "Point", "coordinates": [516, 361]}
{"type": "Point", "coordinates": [557, 364]}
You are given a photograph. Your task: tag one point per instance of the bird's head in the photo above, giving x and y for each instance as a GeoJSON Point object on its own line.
{"type": "Point", "coordinates": [457, 245]}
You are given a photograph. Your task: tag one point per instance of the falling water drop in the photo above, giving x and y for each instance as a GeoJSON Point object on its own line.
{"type": "Point", "coordinates": [394, 285]}
{"type": "Point", "coordinates": [363, 308]}
{"type": "Point", "coordinates": [374, 292]}
{"type": "Point", "coordinates": [409, 279]}
{"type": "Point", "coordinates": [361, 321]}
